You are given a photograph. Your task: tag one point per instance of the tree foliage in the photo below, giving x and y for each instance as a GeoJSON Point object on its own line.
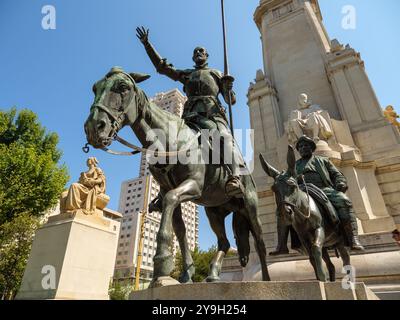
{"type": "Point", "coordinates": [30, 178]}
{"type": "Point", "coordinates": [201, 260]}
{"type": "Point", "coordinates": [119, 290]}
{"type": "Point", "coordinates": [15, 244]}
{"type": "Point", "coordinates": [31, 181]}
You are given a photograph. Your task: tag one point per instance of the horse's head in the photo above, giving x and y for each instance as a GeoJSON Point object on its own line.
{"type": "Point", "coordinates": [115, 104]}
{"type": "Point", "coordinates": [285, 184]}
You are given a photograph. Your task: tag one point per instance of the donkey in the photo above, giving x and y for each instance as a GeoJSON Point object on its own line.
{"type": "Point", "coordinates": [119, 102]}
{"type": "Point", "coordinates": [298, 209]}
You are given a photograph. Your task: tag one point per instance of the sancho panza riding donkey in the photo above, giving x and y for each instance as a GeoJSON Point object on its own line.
{"type": "Point", "coordinates": [304, 203]}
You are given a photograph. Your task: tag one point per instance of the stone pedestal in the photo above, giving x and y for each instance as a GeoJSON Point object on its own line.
{"type": "Point", "coordinates": [72, 257]}
{"type": "Point", "coordinates": [378, 267]}
{"type": "Point", "coordinates": [256, 290]}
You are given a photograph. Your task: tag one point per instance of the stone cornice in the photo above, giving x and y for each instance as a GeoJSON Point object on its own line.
{"type": "Point", "coordinates": [265, 194]}
{"type": "Point", "coordinates": [343, 59]}
{"type": "Point", "coordinates": [267, 5]}
{"type": "Point", "coordinates": [354, 163]}
{"type": "Point", "coordinates": [256, 92]}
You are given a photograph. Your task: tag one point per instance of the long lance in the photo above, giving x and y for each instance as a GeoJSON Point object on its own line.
{"type": "Point", "coordinates": [226, 67]}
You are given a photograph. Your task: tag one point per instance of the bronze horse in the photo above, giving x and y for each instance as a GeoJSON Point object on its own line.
{"type": "Point", "coordinates": [119, 102]}
{"type": "Point", "coordinates": [299, 209]}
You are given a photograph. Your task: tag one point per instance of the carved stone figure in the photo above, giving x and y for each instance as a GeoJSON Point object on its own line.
{"type": "Point", "coordinates": [308, 120]}
{"type": "Point", "coordinates": [392, 116]}
{"type": "Point", "coordinates": [84, 194]}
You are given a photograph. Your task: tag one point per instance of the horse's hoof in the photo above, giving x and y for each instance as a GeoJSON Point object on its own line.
{"type": "Point", "coordinates": [186, 276]}
{"type": "Point", "coordinates": [212, 279]}
{"type": "Point", "coordinates": [243, 261]}
{"type": "Point", "coordinates": [163, 282]}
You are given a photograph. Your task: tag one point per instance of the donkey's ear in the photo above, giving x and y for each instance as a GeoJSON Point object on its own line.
{"type": "Point", "coordinates": [291, 161]}
{"type": "Point", "coordinates": [139, 77]}
{"type": "Point", "coordinates": [269, 170]}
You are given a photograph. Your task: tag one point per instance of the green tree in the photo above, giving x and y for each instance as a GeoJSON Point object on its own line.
{"type": "Point", "coordinates": [15, 244]}
{"type": "Point", "coordinates": [119, 290]}
{"type": "Point", "coordinates": [30, 178]}
{"type": "Point", "coordinates": [31, 181]}
{"type": "Point", "coordinates": [201, 260]}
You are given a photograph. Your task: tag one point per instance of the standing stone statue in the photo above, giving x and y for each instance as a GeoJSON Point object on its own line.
{"type": "Point", "coordinates": [308, 120]}
{"type": "Point", "coordinates": [203, 109]}
{"type": "Point", "coordinates": [84, 194]}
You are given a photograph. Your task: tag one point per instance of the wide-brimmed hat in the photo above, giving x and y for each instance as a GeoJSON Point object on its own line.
{"type": "Point", "coordinates": [308, 140]}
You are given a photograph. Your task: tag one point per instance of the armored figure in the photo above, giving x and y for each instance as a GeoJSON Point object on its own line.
{"type": "Point", "coordinates": [203, 109]}
{"type": "Point", "coordinates": [319, 173]}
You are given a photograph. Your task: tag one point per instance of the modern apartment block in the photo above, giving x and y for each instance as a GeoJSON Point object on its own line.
{"type": "Point", "coordinates": [135, 196]}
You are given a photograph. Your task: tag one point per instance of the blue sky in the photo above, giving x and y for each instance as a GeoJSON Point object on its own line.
{"type": "Point", "coordinates": [52, 71]}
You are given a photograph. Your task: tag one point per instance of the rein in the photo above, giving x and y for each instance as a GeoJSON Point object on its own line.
{"type": "Point", "coordinates": [116, 124]}
{"type": "Point", "coordinates": [295, 206]}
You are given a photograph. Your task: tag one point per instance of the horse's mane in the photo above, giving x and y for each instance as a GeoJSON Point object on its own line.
{"type": "Point", "coordinates": [147, 108]}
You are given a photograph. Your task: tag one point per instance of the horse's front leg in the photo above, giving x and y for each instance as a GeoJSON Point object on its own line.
{"type": "Point", "coordinates": [316, 253]}
{"type": "Point", "coordinates": [180, 232]}
{"type": "Point", "coordinates": [163, 260]}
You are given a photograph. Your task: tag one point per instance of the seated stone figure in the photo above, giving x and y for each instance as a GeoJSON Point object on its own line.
{"type": "Point", "coordinates": [88, 194]}
{"type": "Point", "coordinates": [308, 120]}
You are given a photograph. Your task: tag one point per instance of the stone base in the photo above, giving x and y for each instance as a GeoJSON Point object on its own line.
{"type": "Point", "coordinates": [378, 267]}
{"type": "Point", "coordinates": [257, 290]}
{"type": "Point", "coordinates": [165, 281]}
{"type": "Point", "coordinates": [72, 257]}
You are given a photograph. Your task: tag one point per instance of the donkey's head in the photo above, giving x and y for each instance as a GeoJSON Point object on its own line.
{"type": "Point", "coordinates": [115, 104]}
{"type": "Point", "coordinates": [285, 184]}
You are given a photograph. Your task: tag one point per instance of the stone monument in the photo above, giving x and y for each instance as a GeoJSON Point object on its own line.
{"type": "Point", "coordinates": [299, 57]}
{"type": "Point", "coordinates": [73, 254]}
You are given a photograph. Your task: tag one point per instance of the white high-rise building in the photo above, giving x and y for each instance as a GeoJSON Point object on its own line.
{"type": "Point", "coordinates": [135, 196]}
